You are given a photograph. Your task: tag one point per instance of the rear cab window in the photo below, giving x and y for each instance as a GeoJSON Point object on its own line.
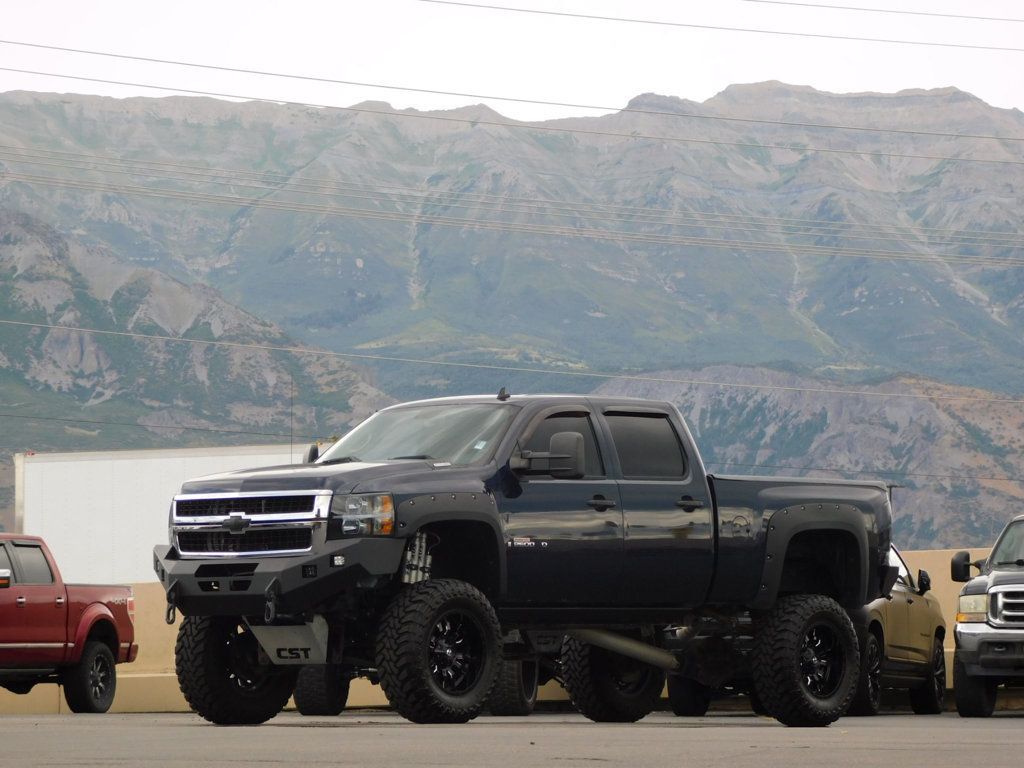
{"type": "Point", "coordinates": [647, 445]}
{"type": "Point", "coordinates": [34, 568]}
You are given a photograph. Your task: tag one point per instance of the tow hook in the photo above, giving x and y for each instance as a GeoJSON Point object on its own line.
{"type": "Point", "coordinates": [271, 596]}
{"type": "Point", "coordinates": [169, 616]}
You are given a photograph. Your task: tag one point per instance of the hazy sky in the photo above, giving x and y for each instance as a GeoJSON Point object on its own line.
{"type": "Point", "coordinates": [427, 45]}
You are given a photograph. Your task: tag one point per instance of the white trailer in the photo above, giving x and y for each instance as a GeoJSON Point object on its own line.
{"type": "Point", "coordinates": [102, 512]}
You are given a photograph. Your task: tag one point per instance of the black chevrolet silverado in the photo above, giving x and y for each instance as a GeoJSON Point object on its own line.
{"type": "Point", "coordinates": [442, 539]}
{"type": "Point", "coordinates": [989, 623]}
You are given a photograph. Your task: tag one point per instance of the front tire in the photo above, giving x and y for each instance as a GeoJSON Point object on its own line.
{"type": "Point", "coordinates": [608, 687]}
{"type": "Point", "coordinates": [217, 662]}
{"type": "Point", "coordinates": [975, 696]}
{"type": "Point", "coordinates": [322, 690]}
{"type": "Point", "coordinates": [89, 686]}
{"type": "Point", "coordinates": [930, 698]}
{"type": "Point", "coordinates": [515, 692]}
{"type": "Point", "coordinates": [806, 662]}
{"type": "Point", "coordinates": [868, 698]}
{"type": "Point", "coordinates": [687, 697]}
{"type": "Point", "coordinates": [438, 650]}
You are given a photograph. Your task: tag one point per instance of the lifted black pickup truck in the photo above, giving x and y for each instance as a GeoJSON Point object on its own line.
{"type": "Point", "coordinates": [989, 623]}
{"type": "Point", "coordinates": [441, 538]}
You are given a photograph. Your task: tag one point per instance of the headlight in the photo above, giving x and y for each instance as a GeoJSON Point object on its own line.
{"type": "Point", "coordinates": [972, 608]}
{"type": "Point", "coordinates": [365, 514]}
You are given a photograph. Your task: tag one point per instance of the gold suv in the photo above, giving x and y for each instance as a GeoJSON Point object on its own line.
{"type": "Point", "coordinates": [902, 645]}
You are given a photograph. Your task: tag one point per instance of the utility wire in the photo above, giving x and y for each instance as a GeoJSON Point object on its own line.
{"type": "Point", "coordinates": [514, 369]}
{"type": "Point", "coordinates": [550, 211]}
{"type": "Point", "coordinates": [522, 125]}
{"type": "Point", "coordinates": [27, 417]}
{"type": "Point", "coordinates": [840, 470]}
{"type": "Point", "coordinates": [546, 230]}
{"type": "Point", "coordinates": [884, 10]}
{"type": "Point", "coordinates": [662, 23]}
{"type": "Point", "coordinates": [638, 214]}
{"type": "Point", "coordinates": [510, 99]}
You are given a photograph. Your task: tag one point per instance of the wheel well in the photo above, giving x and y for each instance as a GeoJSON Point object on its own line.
{"type": "Point", "coordinates": [940, 634]}
{"type": "Point", "coordinates": [105, 632]}
{"type": "Point", "coordinates": [824, 563]}
{"type": "Point", "coordinates": [468, 551]}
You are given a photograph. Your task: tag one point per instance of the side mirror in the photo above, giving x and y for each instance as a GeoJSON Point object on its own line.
{"type": "Point", "coordinates": [565, 458]}
{"type": "Point", "coordinates": [567, 455]}
{"type": "Point", "coordinates": [924, 582]}
{"type": "Point", "coordinates": [5, 578]}
{"type": "Point", "coordinates": [312, 454]}
{"type": "Point", "coordinates": [960, 567]}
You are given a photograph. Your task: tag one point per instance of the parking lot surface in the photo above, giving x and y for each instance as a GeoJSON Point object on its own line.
{"type": "Point", "coordinates": [370, 738]}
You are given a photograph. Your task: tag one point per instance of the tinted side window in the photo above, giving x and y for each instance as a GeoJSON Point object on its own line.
{"type": "Point", "coordinates": [5, 561]}
{"type": "Point", "coordinates": [647, 446]}
{"type": "Point", "coordinates": [540, 440]}
{"type": "Point", "coordinates": [34, 568]}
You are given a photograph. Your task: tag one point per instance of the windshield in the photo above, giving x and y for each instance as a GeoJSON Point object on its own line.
{"type": "Point", "coordinates": [1010, 547]}
{"type": "Point", "coordinates": [444, 433]}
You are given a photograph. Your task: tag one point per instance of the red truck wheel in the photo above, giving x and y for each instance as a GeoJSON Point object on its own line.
{"type": "Point", "coordinates": [89, 686]}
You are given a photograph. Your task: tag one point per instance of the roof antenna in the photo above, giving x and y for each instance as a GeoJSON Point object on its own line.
{"type": "Point", "coordinates": [503, 395]}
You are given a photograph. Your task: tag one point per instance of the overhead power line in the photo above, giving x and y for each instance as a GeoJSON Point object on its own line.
{"type": "Point", "coordinates": [29, 417]}
{"type": "Point", "coordinates": [843, 470]}
{"type": "Point", "coordinates": [885, 10]}
{"type": "Point", "coordinates": [546, 230]}
{"type": "Point", "coordinates": [505, 203]}
{"type": "Point", "coordinates": [523, 125]}
{"type": "Point", "coordinates": [718, 28]}
{"type": "Point", "coordinates": [513, 369]}
{"type": "Point", "coordinates": [502, 206]}
{"type": "Point", "coordinates": [511, 99]}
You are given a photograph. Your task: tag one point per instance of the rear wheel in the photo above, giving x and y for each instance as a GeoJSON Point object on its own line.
{"type": "Point", "coordinates": [608, 687]}
{"type": "Point", "coordinates": [89, 686]}
{"type": "Point", "coordinates": [930, 698]}
{"type": "Point", "coordinates": [515, 692]}
{"type": "Point", "coordinates": [322, 690]}
{"type": "Point", "coordinates": [805, 661]}
{"type": "Point", "coordinates": [438, 650]}
{"type": "Point", "coordinates": [975, 696]}
{"type": "Point", "coordinates": [217, 662]}
{"type": "Point", "coordinates": [868, 698]}
{"type": "Point", "coordinates": [687, 697]}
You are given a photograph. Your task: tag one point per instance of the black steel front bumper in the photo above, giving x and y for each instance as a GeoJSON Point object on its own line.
{"type": "Point", "coordinates": [264, 586]}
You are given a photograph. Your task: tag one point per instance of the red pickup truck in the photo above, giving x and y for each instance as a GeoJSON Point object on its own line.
{"type": "Point", "coordinates": [52, 632]}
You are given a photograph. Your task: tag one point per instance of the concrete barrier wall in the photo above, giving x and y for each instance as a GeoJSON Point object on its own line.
{"type": "Point", "coordinates": [149, 684]}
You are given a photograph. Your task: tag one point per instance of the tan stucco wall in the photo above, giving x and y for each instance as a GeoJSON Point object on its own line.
{"type": "Point", "coordinates": [149, 685]}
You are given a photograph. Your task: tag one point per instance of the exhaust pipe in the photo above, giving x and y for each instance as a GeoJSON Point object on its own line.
{"type": "Point", "coordinates": [627, 646]}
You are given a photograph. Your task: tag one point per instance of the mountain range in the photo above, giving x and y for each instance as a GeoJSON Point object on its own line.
{"type": "Point", "coordinates": [884, 259]}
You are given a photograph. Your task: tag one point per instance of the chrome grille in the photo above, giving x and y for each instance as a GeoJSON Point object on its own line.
{"type": "Point", "coordinates": [248, 505]}
{"type": "Point", "coordinates": [1009, 607]}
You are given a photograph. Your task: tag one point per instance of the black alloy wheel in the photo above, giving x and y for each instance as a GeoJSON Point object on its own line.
{"type": "Point", "coordinates": [100, 675]}
{"type": "Point", "coordinates": [822, 661]}
{"type": "Point", "coordinates": [456, 651]}
{"type": "Point", "coordinates": [930, 698]}
{"type": "Point", "coordinates": [90, 685]}
{"type": "Point", "coordinates": [868, 698]}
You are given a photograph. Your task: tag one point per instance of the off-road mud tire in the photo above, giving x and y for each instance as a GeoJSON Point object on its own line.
{"type": "Point", "coordinates": [246, 694]}
{"type": "Point", "coordinates": [595, 680]}
{"type": "Point", "coordinates": [413, 686]}
{"type": "Point", "coordinates": [322, 689]}
{"type": "Point", "coordinates": [515, 690]}
{"type": "Point", "coordinates": [780, 648]}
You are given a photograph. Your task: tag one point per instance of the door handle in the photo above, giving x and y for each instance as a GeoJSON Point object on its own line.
{"type": "Point", "coordinates": [20, 601]}
{"type": "Point", "coordinates": [688, 503]}
{"type": "Point", "coordinates": [59, 600]}
{"type": "Point", "coordinates": [600, 503]}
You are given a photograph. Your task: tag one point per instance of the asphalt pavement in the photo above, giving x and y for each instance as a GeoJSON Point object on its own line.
{"type": "Point", "coordinates": [369, 738]}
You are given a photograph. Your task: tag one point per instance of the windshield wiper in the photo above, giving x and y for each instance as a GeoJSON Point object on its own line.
{"type": "Point", "coordinates": [340, 460]}
{"type": "Point", "coordinates": [1018, 561]}
{"type": "Point", "coordinates": [414, 456]}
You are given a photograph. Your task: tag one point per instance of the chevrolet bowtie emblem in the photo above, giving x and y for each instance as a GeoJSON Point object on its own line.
{"type": "Point", "coordinates": [237, 522]}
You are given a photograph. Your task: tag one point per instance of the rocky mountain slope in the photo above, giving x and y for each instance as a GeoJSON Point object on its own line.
{"type": "Point", "coordinates": [647, 239]}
